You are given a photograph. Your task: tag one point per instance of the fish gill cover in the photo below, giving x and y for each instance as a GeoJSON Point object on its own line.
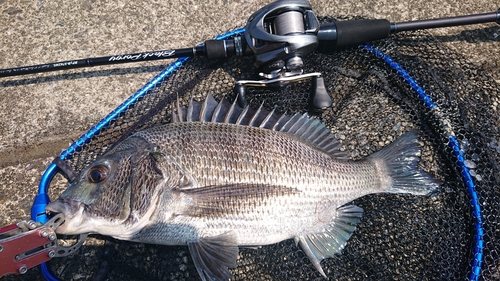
{"type": "Point", "coordinates": [399, 237]}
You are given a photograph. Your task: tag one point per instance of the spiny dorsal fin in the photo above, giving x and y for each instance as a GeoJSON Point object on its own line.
{"type": "Point", "coordinates": [177, 114]}
{"type": "Point", "coordinates": [207, 109]}
{"type": "Point", "coordinates": [302, 126]}
{"type": "Point", "coordinates": [196, 111]}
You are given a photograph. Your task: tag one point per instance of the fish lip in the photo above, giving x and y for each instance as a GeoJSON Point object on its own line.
{"type": "Point", "coordinates": [64, 206]}
{"type": "Point", "coordinates": [69, 208]}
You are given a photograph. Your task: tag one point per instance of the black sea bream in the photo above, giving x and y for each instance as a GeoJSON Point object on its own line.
{"type": "Point", "coordinates": [220, 176]}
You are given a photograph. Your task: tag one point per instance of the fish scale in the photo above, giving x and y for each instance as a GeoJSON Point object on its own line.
{"type": "Point", "coordinates": [243, 152]}
{"type": "Point", "coordinates": [220, 176]}
{"type": "Point", "coordinates": [334, 180]}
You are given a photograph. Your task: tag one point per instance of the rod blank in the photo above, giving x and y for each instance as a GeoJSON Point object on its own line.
{"type": "Point", "coordinates": [446, 22]}
{"type": "Point", "coordinates": [88, 62]}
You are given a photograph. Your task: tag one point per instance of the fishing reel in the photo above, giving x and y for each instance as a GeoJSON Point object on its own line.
{"type": "Point", "coordinates": [279, 35]}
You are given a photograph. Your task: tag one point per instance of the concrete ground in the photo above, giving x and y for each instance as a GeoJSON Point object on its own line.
{"type": "Point", "coordinates": [41, 114]}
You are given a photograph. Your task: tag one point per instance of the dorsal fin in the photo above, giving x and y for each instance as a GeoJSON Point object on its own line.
{"type": "Point", "coordinates": [304, 127]}
{"type": "Point", "coordinates": [208, 108]}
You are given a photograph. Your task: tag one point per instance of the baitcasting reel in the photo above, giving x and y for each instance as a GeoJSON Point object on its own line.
{"type": "Point", "coordinates": [279, 36]}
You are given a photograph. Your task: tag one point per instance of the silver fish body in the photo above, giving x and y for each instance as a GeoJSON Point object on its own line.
{"type": "Point", "coordinates": [220, 177]}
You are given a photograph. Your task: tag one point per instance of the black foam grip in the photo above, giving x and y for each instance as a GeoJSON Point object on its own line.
{"type": "Point", "coordinates": [215, 49]}
{"type": "Point", "coordinates": [355, 32]}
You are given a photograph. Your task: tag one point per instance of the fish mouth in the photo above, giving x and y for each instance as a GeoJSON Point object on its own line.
{"type": "Point", "coordinates": [72, 211]}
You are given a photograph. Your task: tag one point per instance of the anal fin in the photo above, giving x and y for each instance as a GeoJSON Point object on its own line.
{"type": "Point", "coordinates": [214, 256]}
{"type": "Point", "coordinates": [318, 246]}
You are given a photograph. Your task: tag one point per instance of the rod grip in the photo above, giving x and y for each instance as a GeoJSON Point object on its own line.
{"type": "Point", "coordinates": [341, 34]}
{"type": "Point", "coordinates": [215, 49]}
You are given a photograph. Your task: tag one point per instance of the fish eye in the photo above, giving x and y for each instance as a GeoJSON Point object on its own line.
{"type": "Point", "coordinates": [97, 174]}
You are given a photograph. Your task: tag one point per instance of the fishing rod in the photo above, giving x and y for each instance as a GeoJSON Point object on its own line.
{"type": "Point", "coordinates": [280, 18]}
{"type": "Point", "coordinates": [290, 23]}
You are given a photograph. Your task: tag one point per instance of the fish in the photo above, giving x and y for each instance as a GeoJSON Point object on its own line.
{"type": "Point", "coordinates": [219, 177]}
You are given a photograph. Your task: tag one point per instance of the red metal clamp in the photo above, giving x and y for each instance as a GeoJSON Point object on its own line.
{"type": "Point", "coordinates": [27, 244]}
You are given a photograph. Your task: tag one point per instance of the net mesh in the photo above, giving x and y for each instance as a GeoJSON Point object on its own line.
{"type": "Point", "coordinates": [400, 237]}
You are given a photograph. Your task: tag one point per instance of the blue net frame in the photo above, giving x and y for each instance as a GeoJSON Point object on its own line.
{"type": "Point", "coordinates": [42, 199]}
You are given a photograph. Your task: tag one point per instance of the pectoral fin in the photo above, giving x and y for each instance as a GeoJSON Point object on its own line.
{"type": "Point", "coordinates": [214, 256]}
{"type": "Point", "coordinates": [318, 246]}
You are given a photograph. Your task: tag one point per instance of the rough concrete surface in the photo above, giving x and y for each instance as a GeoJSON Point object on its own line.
{"type": "Point", "coordinates": [41, 114]}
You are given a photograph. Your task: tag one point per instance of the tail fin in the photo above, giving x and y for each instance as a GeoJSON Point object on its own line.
{"type": "Point", "coordinates": [400, 161]}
